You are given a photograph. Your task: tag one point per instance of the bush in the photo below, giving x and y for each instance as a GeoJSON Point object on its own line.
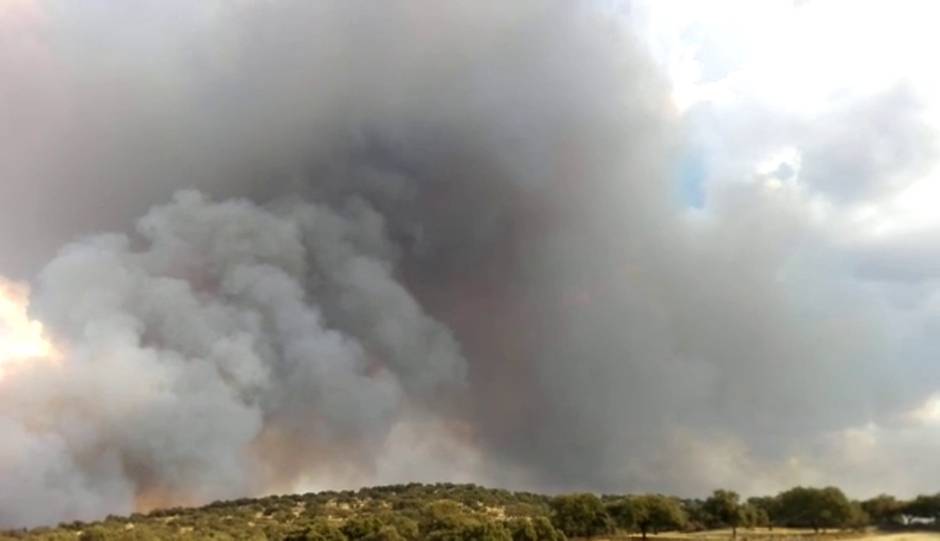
{"type": "Point", "coordinates": [383, 527]}
{"type": "Point", "coordinates": [535, 529]}
{"type": "Point", "coordinates": [319, 530]}
{"type": "Point", "coordinates": [95, 533]}
{"type": "Point", "coordinates": [471, 529]}
{"type": "Point", "coordinates": [580, 515]}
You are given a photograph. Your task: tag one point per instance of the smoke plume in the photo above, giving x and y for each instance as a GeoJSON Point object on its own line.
{"type": "Point", "coordinates": [452, 224]}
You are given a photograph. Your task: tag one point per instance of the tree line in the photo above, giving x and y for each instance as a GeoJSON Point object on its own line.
{"type": "Point", "coordinates": [455, 512]}
{"type": "Point", "coordinates": [587, 515]}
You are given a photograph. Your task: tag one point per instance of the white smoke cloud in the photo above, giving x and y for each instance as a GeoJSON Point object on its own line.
{"type": "Point", "coordinates": [199, 362]}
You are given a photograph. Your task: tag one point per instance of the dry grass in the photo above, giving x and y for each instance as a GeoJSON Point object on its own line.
{"type": "Point", "coordinates": [904, 536]}
{"type": "Point", "coordinates": [785, 534]}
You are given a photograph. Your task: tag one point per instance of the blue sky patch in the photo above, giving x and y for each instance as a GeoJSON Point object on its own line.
{"type": "Point", "coordinates": [691, 178]}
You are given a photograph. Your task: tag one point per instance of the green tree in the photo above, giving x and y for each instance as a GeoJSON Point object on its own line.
{"type": "Point", "coordinates": [544, 530]}
{"type": "Point", "coordinates": [471, 529]}
{"type": "Point", "coordinates": [441, 515]}
{"type": "Point", "coordinates": [924, 507]}
{"type": "Point", "coordinates": [371, 528]}
{"type": "Point", "coordinates": [724, 509]}
{"type": "Point", "coordinates": [361, 527]}
{"type": "Point", "coordinates": [858, 519]}
{"type": "Point", "coordinates": [95, 533]}
{"type": "Point", "coordinates": [534, 529]}
{"type": "Point", "coordinates": [318, 530]}
{"type": "Point", "coordinates": [769, 510]}
{"type": "Point", "coordinates": [621, 512]}
{"type": "Point", "coordinates": [580, 515]}
{"type": "Point", "coordinates": [696, 517]}
{"type": "Point", "coordinates": [656, 512]}
{"type": "Point", "coordinates": [815, 508]}
{"type": "Point", "coordinates": [521, 529]}
{"type": "Point", "coordinates": [752, 516]}
{"type": "Point", "coordinates": [884, 510]}
{"type": "Point", "coordinates": [447, 520]}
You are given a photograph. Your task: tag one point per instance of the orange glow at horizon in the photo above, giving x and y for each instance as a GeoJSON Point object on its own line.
{"type": "Point", "coordinates": [22, 340]}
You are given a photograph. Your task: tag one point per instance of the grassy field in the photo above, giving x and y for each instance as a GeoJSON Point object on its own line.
{"type": "Point", "coordinates": [786, 534]}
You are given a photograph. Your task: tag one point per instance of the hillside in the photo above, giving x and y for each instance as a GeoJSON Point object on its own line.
{"type": "Point", "coordinates": [403, 512]}
{"type": "Point", "coordinates": [451, 512]}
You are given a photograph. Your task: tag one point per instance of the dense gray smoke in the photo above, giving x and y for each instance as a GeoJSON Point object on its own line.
{"type": "Point", "coordinates": [457, 217]}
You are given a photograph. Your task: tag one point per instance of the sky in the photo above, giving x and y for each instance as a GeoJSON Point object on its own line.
{"type": "Point", "coordinates": [830, 105]}
{"type": "Point", "coordinates": [621, 246]}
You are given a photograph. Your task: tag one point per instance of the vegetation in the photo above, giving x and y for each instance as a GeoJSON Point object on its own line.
{"type": "Point", "coordinates": [581, 515]}
{"type": "Point", "coordinates": [449, 512]}
{"type": "Point", "coordinates": [815, 508]}
{"type": "Point", "coordinates": [648, 513]}
{"type": "Point", "coordinates": [725, 510]}
{"type": "Point", "coordinates": [884, 510]}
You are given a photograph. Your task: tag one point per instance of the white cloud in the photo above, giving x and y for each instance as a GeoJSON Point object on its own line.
{"type": "Point", "coordinates": [832, 106]}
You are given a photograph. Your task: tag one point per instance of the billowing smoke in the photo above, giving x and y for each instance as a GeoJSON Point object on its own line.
{"type": "Point", "coordinates": [224, 349]}
{"type": "Point", "coordinates": [446, 223]}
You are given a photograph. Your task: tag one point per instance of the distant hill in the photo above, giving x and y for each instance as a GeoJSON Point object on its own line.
{"type": "Point", "coordinates": [398, 512]}
{"type": "Point", "coordinates": [466, 512]}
